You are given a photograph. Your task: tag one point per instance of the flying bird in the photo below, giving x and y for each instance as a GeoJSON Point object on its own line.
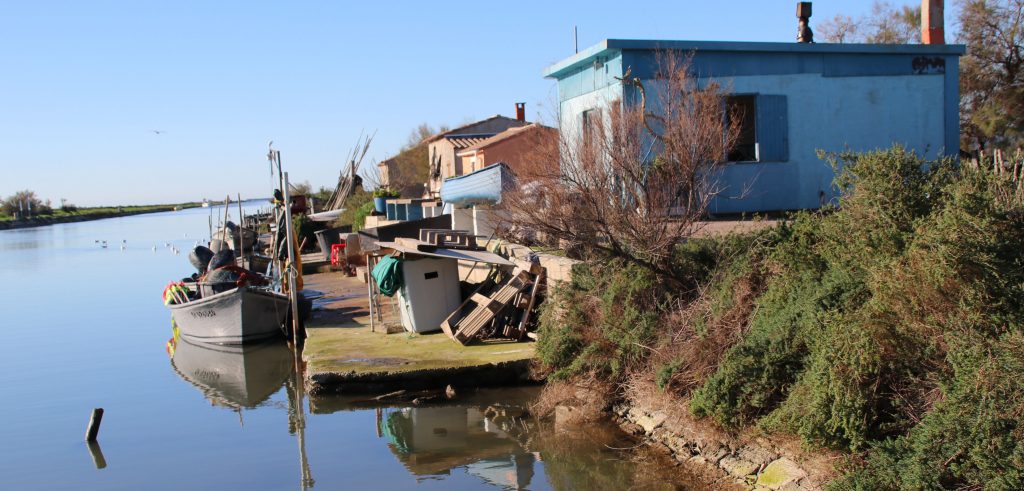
{"type": "Point", "coordinates": [158, 131]}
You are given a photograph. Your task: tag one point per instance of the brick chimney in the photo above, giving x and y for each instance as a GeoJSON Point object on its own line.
{"type": "Point", "coordinates": [932, 31]}
{"type": "Point", "coordinates": [521, 111]}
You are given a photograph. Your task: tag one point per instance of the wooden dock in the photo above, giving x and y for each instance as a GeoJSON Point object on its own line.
{"type": "Point", "coordinates": [342, 355]}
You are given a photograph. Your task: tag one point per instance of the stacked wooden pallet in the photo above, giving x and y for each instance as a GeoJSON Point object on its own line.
{"type": "Point", "coordinates": [505, 312]}
{"type": "Point", "coordinates": [433, 239]}
{"type": "Point", "coordinates": [449, 239]}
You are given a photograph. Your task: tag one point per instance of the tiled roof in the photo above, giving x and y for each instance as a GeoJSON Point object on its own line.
{"type": "Point", "coordinates": [505, 135]}
{"type": "Point", "coordinates": [463, 142]}
{"type": "Point", "coordinates": [461, 129]}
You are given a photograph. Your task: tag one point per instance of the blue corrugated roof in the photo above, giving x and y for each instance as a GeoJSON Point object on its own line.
{"type": "Point", "coordinates": [601, 48]}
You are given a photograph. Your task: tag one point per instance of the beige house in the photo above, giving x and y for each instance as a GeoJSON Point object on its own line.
{"type": "Point", "coordinates": [512, 146]}
{"type": "Point", "coordinates": [443, 148]}
{"type": "Point", "coordinates": [405, 172]}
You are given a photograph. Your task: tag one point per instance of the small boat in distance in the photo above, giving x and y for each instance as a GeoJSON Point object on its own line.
{"type": "Point", "coordinates": [206, 203]}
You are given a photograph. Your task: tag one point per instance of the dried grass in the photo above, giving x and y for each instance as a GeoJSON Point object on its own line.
{"type": "Point", "coordinates": [696, 355]}
{"type": "Point", "coordinates": [589, 395]}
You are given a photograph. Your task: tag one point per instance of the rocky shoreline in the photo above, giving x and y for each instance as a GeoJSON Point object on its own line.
{"type": "Point", "coordinates": [746, 464]}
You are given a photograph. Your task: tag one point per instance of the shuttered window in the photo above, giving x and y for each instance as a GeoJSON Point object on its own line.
{"type": "Point", "coordinates": [772, 128]}
{"type": "Point", "coordinates": [763, 128]}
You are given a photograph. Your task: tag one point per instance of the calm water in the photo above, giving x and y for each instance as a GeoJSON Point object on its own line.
{"type": "Point", "coordinates": [84, 327]}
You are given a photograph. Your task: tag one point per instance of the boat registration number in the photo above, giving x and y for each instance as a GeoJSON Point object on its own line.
{"type": "Point", "coordinates": [203, 314]}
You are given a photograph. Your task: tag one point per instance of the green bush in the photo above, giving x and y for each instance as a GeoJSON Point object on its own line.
{"type": "Point", "coordinates": [305, 229]}
{"type": "Point", "coordinates": [890, 327]}
{"type": "Point", "coordinates": [386, 193]}
{"type": "Point", "coordinates": [357, 207]}
{"type": "Point", "coordinates": [602, 323]}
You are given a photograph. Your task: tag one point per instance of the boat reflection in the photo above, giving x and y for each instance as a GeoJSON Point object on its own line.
{"type": "Point", "coordinates": [245, 376]}
{"type": "Point", "coordinates": [232, 376]}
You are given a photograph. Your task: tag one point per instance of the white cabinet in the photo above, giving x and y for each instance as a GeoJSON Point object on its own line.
{"type": "Point", "coordinates": [430, 293]}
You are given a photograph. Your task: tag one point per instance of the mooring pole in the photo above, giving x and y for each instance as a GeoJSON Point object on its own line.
{"type": "Point", "coordinates": [94, 425]}
{"type": "Point", "coordinates": [241, 230]}
{"type": "Point", "coordinates": [293, 290]}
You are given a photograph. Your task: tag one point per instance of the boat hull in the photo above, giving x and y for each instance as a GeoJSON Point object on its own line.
{"type": "Point", "coordinates": [238, 316]}
{"type": "Point", "coordinates": [482, 187]}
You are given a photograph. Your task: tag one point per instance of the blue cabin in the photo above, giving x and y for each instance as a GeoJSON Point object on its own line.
{"type": "Point", "coordinates": [802, 97]}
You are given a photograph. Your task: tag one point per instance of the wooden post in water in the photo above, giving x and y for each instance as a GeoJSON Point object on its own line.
{"type": "Point", "coordinates": [94, 425]}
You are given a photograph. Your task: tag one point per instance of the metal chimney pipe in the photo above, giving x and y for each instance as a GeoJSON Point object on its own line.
{"type": "Point", "coordinates": [932, 30]}
{"type": "Point", "coordinates": [803, 32]}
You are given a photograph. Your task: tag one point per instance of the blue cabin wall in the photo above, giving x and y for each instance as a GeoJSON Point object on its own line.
{"type": "Point", "coordinates": [828, 98]}
{"type": "Point", "coordinates": [589, 87]}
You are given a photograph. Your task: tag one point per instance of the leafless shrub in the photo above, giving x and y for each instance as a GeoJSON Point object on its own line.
{"type": "Point", "coordinates": [631, 181]}
{"type": "Point", "coordinates": [588, 395]}
{"type": "Point", "coordinates": [695, 352]}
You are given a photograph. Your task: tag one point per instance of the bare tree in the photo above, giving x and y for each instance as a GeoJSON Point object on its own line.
{"type": "Point", "coordinates": [420, 133]}
{"type": "Point", "coordinates": [839, 29]}
{"type": "Point", "coordinates": [886, 24]}
{"type": "Point", "coordinates": [25, 202]}
{"type": "Point", "coordinates": [992, 73]}
{"type": "Point", "coordinates": [630, 182]}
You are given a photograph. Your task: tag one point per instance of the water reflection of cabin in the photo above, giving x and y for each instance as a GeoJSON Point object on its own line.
{"type": "Point", "coordinates": [434, 440]}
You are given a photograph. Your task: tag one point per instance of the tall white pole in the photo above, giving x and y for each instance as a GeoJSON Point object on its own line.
{"type": "Point", "coordinates": [293, 291]}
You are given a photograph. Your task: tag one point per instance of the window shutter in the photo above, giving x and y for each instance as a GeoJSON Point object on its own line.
{"type": "Point", "coordinates": [772, 128]}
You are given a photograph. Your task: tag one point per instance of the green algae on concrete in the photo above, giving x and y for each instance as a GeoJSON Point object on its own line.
{"type": "Point", "coordinates": [357, 350]}
{"type": "Point", "coordinates": [343, 355]}
{"type": "Point", "coordinates": [780, 473]}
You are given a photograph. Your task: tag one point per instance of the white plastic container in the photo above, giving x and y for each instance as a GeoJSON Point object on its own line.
{"type": "Point", "coordinates": [430, 293]}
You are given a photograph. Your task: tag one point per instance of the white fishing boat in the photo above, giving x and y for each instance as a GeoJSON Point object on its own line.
{"type": "Point", "coordinates": [240, 315]}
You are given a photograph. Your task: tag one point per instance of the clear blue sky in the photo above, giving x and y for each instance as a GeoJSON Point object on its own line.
{"type": "Point", "coordinates": [84, 84]}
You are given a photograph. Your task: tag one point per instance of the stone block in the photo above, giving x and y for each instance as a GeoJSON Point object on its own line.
{"type": "Point", "coordinates": [756, 454]}
{"type": "Point", "coordinates": [714, 452]}
{"type": "Point", "coordinates": [566, 418]}
{"type": "Point", "coordinates": [649, 422]}
{"type": "Point", "coordinates": [738, 467]}
{"type": "Point", "coordinates": [678, 445]}
{"type": "Point", "coordinates": [779, 474]}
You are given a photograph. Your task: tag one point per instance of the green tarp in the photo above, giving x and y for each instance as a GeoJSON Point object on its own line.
{"type": "Point", "coordinates": [388, 274]}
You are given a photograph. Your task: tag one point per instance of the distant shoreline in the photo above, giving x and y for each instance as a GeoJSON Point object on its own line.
{"type": "Point", "coordinates": [84, 215]}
